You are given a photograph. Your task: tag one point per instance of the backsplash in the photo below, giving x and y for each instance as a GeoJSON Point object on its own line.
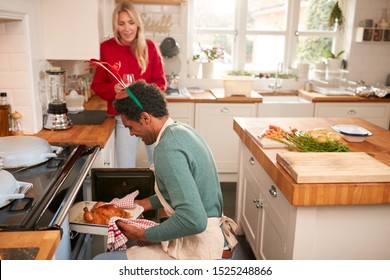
{"type": "Point", "coordinates": [14, 69]}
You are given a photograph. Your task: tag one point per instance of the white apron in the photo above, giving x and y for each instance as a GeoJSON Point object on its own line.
{"type": "Point", "coordinates": [207, 245]}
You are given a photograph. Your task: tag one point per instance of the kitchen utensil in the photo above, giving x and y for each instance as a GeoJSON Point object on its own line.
{"type": "Point", "coordinates": [74, 102]}
{"type": "Point", "coordinates": [169, 47]}
{"type": "Point", "coordinates": [22, 151]}
{"type": "Point", "coordinates": [345, 167]}
{"type": "Point", "coordinates": [352, 133]}
{"type": "Point", "coordinates": [57, 113]}
{"type": "Point", "coordinates": [9, 188]}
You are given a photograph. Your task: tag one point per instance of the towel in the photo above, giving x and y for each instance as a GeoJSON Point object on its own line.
{"type": "Point", "coordinates": [126, 201]}
{"type": "Point", "coordinates": [117, 240]}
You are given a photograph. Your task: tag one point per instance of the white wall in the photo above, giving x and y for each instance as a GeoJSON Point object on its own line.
{"type": "Point", "coordinates": [369, 61]}
{"type": "Point", "coordinates": [20, 58]}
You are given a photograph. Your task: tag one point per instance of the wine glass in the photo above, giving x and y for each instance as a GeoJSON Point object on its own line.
{"type": "Point", "coordinates": [128, 79]}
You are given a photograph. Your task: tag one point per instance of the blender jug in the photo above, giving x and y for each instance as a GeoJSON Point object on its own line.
{"type": "Point", "coordinates": [57, 114]}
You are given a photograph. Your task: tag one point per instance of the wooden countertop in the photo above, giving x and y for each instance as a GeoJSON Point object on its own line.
{"type": "Point", "coordinates": [377, 145]}
{"type": "Point", "coordinates": [318, 97]}
{"type": "Point", "coordinates": [47, 241]}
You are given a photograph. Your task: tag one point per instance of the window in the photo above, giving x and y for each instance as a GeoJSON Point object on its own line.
{"type": "Point", "coordinates": [257, 35]}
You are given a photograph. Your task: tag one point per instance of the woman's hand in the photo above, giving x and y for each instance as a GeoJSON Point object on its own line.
{"type": "Point", "coordinates": [130, 231]}
{"type": "Point", "coordinates": [120, 92]}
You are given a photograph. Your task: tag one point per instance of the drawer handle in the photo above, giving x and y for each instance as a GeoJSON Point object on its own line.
{"type": "Point", "coordinates": [273, 191]}
{"type": "Point", "coordinates": [255, 200]}
{"type": "Point", "coordinates": [252, 161]}
{"type": "Point", "coordinates": [352, 112]}
{"type": "Point", "coordinates": [106, 163]}
{"type": "Point", "coordinates": [259, 205]}
{"type": "Point", "coordinates": [225, 110]}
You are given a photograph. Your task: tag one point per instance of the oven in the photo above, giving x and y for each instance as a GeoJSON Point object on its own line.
{"type": "Point", "coordinates": [56, 184]}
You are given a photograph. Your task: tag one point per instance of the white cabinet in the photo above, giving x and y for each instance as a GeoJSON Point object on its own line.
{"type": "Point", "coordinates": [72, 29]}
{"type": "Point", "coordinates": [106, 156]}
{"type": "Point", "coordinates": [264, 214]}
{"type": "Point", "coordinates": [376, 113]}
{"type": "Point", "coordinates": [182, 112]}
{"type": "Point", "coordinates": [214, 122]}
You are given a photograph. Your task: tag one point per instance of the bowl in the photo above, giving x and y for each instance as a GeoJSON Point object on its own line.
{"type": "Point", "coordinates": [352, 133]}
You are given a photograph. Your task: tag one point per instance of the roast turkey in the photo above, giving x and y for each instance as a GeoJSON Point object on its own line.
{"type": "Point", "coordinates": [101, 213]}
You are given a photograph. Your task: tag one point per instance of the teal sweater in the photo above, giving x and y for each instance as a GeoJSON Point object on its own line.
{"type": "Point", "coordinates": [188, 179]}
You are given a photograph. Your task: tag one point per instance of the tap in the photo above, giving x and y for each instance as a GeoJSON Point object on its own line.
{"type": "Point", "coordinates": [277, 82]}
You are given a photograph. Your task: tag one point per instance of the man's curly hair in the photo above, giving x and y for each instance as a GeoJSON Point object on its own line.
{"type": "Point", "coordinates": [149, 95]}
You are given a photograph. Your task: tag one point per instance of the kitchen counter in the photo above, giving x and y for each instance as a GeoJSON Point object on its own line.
{"type": "Point", "coordinates": [29, 245]}
{"type": "Point", "coordinates": [378, 146]}
{"type": "Point", "coordinates": [318, 97]}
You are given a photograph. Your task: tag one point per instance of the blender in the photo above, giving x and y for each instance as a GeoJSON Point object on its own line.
{"type": "Point", "coordinates": [57, 113]}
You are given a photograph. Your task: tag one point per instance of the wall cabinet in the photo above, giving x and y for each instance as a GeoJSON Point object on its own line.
{"type": "Point", "coordinates": [214, 122]}
{"type": "Point", "coordinates": [72, 30]}
{"type": "Point", "coordinates": [376, 113]}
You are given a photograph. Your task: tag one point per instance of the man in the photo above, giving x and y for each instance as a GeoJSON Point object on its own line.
{"type": "Point", "coordinates": [187, 184]}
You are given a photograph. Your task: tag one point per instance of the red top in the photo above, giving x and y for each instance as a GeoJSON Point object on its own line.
{"type": "Point", "coordinates": [111, 52]}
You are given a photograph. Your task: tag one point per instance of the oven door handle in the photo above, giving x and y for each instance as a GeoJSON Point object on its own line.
{"type": "Point", "coordinates": [68, 202]}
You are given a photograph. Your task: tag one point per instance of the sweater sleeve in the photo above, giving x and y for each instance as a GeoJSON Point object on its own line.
{"type": "Point", "coordinates": [101, 84]}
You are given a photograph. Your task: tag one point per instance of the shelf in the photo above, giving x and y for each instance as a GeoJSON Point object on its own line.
{"type": "Point", "coordinates": [376, 35]}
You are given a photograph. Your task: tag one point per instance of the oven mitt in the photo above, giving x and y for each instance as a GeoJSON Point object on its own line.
{"type": "Point", "coordinates": [126, 201]}
{"type": "Point", "coordinates": [117, 240]}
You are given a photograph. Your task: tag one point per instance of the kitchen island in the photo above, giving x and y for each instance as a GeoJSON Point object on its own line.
{"type": "Point", "coordinates": [286, 220]}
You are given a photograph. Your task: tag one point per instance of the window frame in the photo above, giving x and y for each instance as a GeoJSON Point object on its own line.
{"type": "Point", "coordinates": [239, 33]}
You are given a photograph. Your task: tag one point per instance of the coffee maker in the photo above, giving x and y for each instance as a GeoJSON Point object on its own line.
{"type": "Point", "coordinates": [57, 113]}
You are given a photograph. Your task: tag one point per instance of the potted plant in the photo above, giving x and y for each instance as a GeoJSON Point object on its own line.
{"type": "Point", "coordinates": [336, 17]}
{"type": "Point", "coordinates": [193, 66]}
{"type": "Point", "coordinates": [210, 55]}
{"type": "Point", "coordinates": [334, 60]}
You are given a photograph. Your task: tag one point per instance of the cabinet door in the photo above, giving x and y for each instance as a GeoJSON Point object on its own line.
{"type": "Point", "coordinates": [106, 157]}
{"type": "Point", "coordinates": [251, 210]}
{"type": "Point", "coordinates": [376, 113]}
{"type": "Point", "coordinates": [214, 122]}
{"type": "Point", "coordinates": [182, 112]}
{"type": "Point", "coordinates": [272, 233]}
{"type": "Point", "coordinates": [70, 29]}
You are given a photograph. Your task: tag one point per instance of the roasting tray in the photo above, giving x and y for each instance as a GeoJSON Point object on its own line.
{"type": "Point", "coordinates": [78, 224]}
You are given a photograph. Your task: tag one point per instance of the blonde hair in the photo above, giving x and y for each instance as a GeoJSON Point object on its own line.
{"type": "Point", "coordinates": [138, 46]}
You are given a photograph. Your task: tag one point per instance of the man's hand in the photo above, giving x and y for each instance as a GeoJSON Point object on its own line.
{"type": "Point", "coordinates": [130, 231]}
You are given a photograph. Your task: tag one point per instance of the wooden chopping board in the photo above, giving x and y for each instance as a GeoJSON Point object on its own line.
{"type": "Point", "coordinates": [333, 167]}
{"type": "Point", "coordinates": [264, 142]}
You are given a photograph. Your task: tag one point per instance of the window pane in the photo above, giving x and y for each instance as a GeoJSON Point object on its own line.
{"type": "Point", "coordinates": [213, 40]}
{"type": "Point", "coordinates": [314, 14]}
{"type": "Point", "coordinates": [312, 49]}
{"type": "Point", "coordinates": [264, 52]}
{"type": "Point", "coordinates": [267, 15]}
{"type": "Point", "coordinates": [214, 14]}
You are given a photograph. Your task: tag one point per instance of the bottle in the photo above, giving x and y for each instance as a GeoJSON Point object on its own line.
{"type": "Point", "coordinates": [17, 127]}
{"type": "Point", "coordinates": [5, 116]}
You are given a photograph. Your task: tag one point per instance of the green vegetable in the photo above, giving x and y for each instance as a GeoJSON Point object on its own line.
{"type": "Point", "coordinates": [305, 143]}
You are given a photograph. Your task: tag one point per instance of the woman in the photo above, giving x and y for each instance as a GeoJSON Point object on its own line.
{"type": "Point", "coordinates": [138, 56]}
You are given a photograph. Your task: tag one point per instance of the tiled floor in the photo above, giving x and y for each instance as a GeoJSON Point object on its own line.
{"type": "Point", "coordinates": [243, 251]}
